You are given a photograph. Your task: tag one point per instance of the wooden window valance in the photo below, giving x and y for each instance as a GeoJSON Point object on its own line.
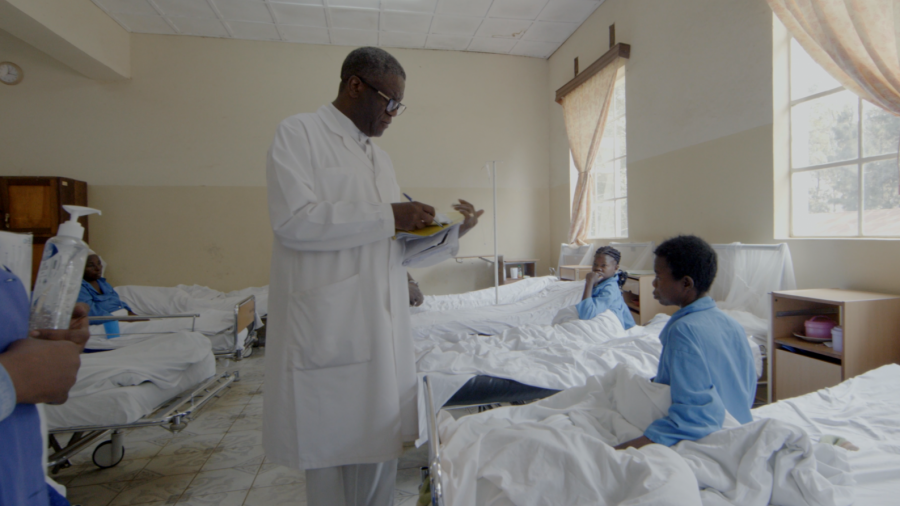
{"type": "Point", "coordinates": [615, 52]}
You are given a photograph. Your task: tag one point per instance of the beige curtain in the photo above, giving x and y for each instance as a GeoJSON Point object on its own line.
{"type": "Point", "coordinates": [585, 109]}
{"type": "Point", "coordinates": [853, 40]}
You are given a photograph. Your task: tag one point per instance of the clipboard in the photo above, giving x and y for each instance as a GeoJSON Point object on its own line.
{"type": "Point", "coordinates": [454, 217]}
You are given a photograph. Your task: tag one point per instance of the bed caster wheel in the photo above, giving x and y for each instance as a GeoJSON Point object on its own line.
{"type": "Point", "coordinates": [105, 457]}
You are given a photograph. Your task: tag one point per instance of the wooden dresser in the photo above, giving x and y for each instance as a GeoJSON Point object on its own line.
{"type": "Point", "coordinates": [33, 205]}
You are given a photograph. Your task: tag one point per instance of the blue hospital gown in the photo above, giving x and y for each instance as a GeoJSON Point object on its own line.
{"type": "Point", "coordinates": [707, 362]}
{"type": "Point", "coordinates": [606, 295]}
{"type": "Point", "coordinates": [102, 304]}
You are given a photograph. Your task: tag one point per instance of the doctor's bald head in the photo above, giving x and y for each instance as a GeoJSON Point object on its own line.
{"type": "Point", "coordinates": [371, 89]}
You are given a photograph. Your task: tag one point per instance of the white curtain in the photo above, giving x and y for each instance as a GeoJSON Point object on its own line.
{"type": "Point", "coordinates": [585, 109]}
{"type": "Point", "coordinates": [748, 273]}
{"type": "Point", "coordinates": [856, 41]}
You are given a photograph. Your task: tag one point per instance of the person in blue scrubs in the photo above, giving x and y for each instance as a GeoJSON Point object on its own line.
{"type": "Point", "coordinates": [97, 293]}
{"type": "Point", "coordinates": [706, 359]}
{"type": "Point", "coordinates": [603, 288]}
{"type": "Point", "coordinates": [35, 367]}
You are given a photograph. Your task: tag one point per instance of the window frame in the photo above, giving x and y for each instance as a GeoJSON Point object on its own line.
{"type": "Point", "coordinates": [620, 78]}
{"type": "Point", "coordinates": [859, 161]}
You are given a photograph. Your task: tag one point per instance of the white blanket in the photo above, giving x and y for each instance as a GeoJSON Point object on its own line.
{"type": "Point", "coordinates": [158, 300]}
{"type": "Point", "coordinates": [474, 313]}
{"type": "Point", "coordinates": [557, 451]}
{"type": "Point", "coordinates": [160, 360]}
{"type": "Point", "coordinates": [509, 294]}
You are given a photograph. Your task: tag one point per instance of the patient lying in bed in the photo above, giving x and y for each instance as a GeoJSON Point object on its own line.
{"type": "Point", "coordinates": [706, 359]}
{"type": "Point", "coordinates": [98, 294]}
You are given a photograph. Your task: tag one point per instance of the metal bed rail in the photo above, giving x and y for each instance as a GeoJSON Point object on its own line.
{"type": "Point", "coordinates": [140, 318]}
{"type": "Point", "coordinates": [435, 473]}
{"type": "Point", "coordinates": [173, 415]}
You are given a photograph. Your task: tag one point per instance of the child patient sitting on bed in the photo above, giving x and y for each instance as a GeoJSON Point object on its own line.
{"type": "Point", "coordinates": [706, 359]}
{"type": "Point", "coordinates": [602, 288]}
{"type": "Point", "coordinates": [97, 293]}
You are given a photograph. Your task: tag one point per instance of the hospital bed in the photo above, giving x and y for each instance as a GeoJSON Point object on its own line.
{"type": "Point", "coordinates": [862, 410]}
{"type": "Point", "coordinates": [232, 332]}
{"type": "Point", "coordinates": [160, 381]}
{"type": "Point", "coordinates": [494, 366]}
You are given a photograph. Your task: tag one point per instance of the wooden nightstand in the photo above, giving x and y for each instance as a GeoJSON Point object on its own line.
{"type": "Point", "coordinates": [638, 294]}
{"type": "Point", "coordinates": [525, 268]}
{"type": "Point", "coordinates": [574, 272]}
{"type": "Point", "coordinates": [871, 323]}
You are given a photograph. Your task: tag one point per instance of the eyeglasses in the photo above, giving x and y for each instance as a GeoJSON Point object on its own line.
{"type": "Point", "coordinates": [392, 106]}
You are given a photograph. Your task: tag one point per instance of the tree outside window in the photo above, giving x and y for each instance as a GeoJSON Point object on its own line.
{"type": "Point", "coordinates": [844, 175]}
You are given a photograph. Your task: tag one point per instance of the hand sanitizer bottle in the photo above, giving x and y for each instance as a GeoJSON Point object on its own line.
{"type": "Point", "coordinates": [59, 278]}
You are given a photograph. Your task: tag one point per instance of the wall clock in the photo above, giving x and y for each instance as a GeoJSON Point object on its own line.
{"type": "Point", "coordinates": [10, 73]}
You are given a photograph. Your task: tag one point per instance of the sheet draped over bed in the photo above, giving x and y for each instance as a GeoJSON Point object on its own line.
{"type": "Point", "coordinates": [159, 360]}
{"type": "Point", "coordinates": [558, 451]}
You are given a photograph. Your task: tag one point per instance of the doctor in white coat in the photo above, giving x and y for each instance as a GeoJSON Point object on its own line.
{"type": "Point", "coordinates": [340, 387]}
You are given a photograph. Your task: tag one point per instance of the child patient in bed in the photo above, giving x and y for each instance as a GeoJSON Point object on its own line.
{"type": "Point", "coordinates": [706, 359]}
{"type": "Point", "coordinates": [98, 294]}
{"type": "Point", "coordinates": [602, 288]}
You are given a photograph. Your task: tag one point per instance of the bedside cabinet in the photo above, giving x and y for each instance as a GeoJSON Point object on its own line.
{"type": "Point", "coordinates": [871, 323]}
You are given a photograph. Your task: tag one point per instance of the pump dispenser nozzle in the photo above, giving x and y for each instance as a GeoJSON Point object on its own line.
{"type": "Point", "coordinates": [72, 228]}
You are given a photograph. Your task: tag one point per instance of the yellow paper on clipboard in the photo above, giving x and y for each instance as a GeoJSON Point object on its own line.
{"type": "Point", "coordinates": [452, 216]}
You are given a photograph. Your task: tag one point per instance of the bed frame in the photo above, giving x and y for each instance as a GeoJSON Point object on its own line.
{"type": "Point", "coordinates": [173, 415]}
{"type": "Point", "coordinates": [244, 318]}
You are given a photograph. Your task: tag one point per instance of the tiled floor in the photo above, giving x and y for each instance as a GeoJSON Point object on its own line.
{"type": "Point", "coordinates": [217, 461]}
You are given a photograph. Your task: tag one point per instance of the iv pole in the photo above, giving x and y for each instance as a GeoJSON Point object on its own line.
{"type": "Point", "coordinates": [496, 264]}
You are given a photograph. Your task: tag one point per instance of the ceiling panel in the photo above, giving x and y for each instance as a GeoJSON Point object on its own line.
{"type": "Point", "coordinates": [517, 9]}
{"type": "Point", "coordinates": [426, 6]}
{"type": "Point", "coordinates": [545, 31]}
{"type": "Point", "coordinates": [128, 6]}
{"type": "Point", "coordinates": [533, 28]}
{"type": "Point", "coordinates": [186, 8]}
{"type": "Point", "coordinates": [572, 11]}
{"type": "Point", "coordinates": [503, 28]}
{"type": "Point", "coordinates": [475, 8]}
{"type": "Point", "coordinates": [455, 26]}
{"type": "Point", "coordinates": [244, 10]}
{"type": "Point", "coordinates": [200, 26]}
{"type": "Point", "coordinates": [303, 15]}
{"type": "Point", "coordinates": [355, 19]}
{"type": "Point", "coordinates": [405, 22]}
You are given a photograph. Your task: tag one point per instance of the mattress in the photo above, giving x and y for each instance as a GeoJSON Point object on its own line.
{"type": "Point", "coordinates": [866, 411]}
{"type": "Point", "coordinates": [125, 404]}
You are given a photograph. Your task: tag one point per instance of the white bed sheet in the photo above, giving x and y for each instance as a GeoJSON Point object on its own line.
{"type": "Point", "coordinates": [558, 451]}
{"type": "Point", "coordinates": [189, 298]}
{"type": "Point", "coordinates": [548, 356]}
{"type": "Point", "coordinates": [159, 360]}
{"type": "Point", "coordinates": [866, 411]}
{"type": "Point", "coordinates": [531, 306]}
{"type": "Point", "coordinates": [125, 404]}
{"type": "Point", "coordinates": [509, 294]}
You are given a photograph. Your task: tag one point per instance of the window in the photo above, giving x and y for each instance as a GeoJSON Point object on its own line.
{"type": "Point", "coordinates": [609, 196]}
{"type": "Point", "coordinates": [843, 163]}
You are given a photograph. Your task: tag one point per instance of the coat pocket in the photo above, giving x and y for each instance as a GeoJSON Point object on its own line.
{"type": "Point", "coordinates": [328, 323]}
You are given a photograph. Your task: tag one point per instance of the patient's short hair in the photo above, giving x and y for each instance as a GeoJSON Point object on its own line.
{"type": "Point", "coordinates": [370, 64]}
{"type": "Point", "coordinates": [689, 255]}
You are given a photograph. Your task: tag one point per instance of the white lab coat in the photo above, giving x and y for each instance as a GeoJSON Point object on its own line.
{"type": "Point", "coordinates": [340, 383]}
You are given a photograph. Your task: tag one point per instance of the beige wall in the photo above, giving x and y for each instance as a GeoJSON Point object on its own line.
{"type": "Point", "coordinates": [175, 157]}
{"type": "Point", "coordinates": [700, 133]}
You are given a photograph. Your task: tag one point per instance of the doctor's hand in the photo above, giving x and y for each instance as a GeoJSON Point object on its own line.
{"type": "Point", "coordinates": [77, 333]}
{"type": "Point", "coordinates": [471, 215]}
{"type": "Point", "coordinates": [41, 370]}
{"type": "Point", "coordinates": [412, 215]}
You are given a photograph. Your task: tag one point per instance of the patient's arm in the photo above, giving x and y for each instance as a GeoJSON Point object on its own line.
{"type": "Point", "coordinates": [634, 443]}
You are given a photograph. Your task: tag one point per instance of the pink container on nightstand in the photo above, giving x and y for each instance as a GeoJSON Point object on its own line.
{"type": "Point", "coordinates": [819, 327]}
